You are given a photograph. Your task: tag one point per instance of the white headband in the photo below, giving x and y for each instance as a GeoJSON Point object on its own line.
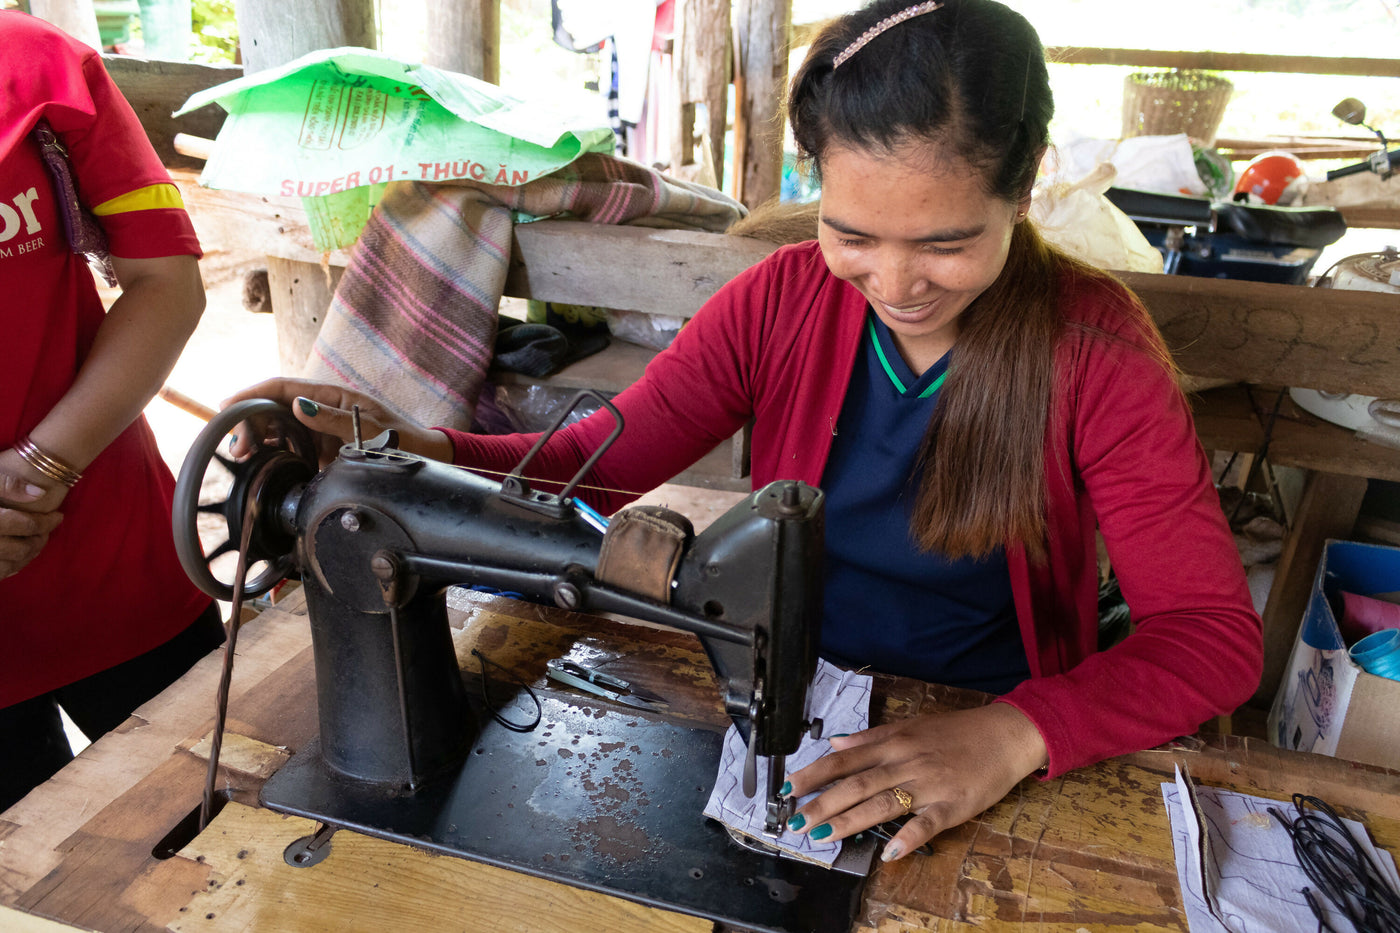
{"type": "Point", "coordinates": [918, 9]}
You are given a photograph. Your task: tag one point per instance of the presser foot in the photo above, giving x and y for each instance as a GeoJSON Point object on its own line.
{"type": "Point", "coordinates": [776, 814]}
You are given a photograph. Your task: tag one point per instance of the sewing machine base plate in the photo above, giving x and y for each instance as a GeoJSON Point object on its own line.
{"type": "Point", "coordinates": [598, 798]}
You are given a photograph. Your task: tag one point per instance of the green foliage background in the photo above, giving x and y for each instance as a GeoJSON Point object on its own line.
{"type": "Point", "coordinates": [215, 32]}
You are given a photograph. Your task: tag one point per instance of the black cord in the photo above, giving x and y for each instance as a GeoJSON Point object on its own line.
{"type": "Point", "coordinates": [1263, 450]}
{"type": "Point", "coordinates": [491, 707]}
{"type": "Point", "coordinates": [1342, 871]}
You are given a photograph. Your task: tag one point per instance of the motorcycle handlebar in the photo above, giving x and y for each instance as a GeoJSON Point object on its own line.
{"type": "Point", "coordinates": [1370, 165]}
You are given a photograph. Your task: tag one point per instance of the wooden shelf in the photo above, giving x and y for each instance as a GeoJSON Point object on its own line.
{"type": "Point", "coordinates": [1226, 420]}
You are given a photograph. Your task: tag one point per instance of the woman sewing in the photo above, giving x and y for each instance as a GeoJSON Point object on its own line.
{"type": "Point", "coordinates": [974, 405]}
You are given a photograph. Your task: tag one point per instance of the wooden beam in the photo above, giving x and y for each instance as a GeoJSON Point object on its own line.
{"type": "Point", "coordinates": [1225, 61]}
{"type": "Point", "coordinates": [1334, 340]}
{"type": "Point", "coordinates": [760, 83]}
{"type": "Point", "coordinates": [1304, 147]}
{"type": "Point", "coordinates": [156, 89]}
{"type": "Point", "coordinates": [675, 271]}
{"type": "Point", "coordinates": [1226, 420]}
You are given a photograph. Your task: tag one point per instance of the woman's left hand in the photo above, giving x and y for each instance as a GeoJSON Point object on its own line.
{"type": "Point", "coordinates": [29, 512]}
{"type": "Point", "coordinates": [952, 765]}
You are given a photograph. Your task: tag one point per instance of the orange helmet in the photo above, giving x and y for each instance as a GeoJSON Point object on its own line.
{"type": "Point", "coordinates": [1272, 178]}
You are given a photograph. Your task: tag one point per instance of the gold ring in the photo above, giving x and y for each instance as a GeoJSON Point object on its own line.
{"type": "Point", "coordinates": [906, 799]}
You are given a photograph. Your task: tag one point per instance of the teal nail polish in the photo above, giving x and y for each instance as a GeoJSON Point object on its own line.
{"type": "Point", "coordinates": [821, 832]}
{"type": "Point", "coordinates": [233, 442]}
{"type": "Point", "coordinates": [840, 735]}
{"type": "Point", "coordinates": [797, 822]}
{"type": "Point", "coordinates": [308, 407]}
{"type": "Point", "coordinates": [785, 789]}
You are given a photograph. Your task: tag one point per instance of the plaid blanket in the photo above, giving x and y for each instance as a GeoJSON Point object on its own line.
{"type": "Point", "coordinates": [413, 319]}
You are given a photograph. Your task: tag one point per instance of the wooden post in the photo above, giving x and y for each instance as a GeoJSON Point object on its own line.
{"type": "Point", "coordinates": [760, 85]}
{"type": "Point", "coordinates": [701, 57]}
{"type": "Point", "coordinates": [273, 32]}
{"type": "Point", "coordinates": [301, 295]}
{"type": "Point", "coordinates": [75, 17]}
{"type": "Point", "coordinates": [465, 36]}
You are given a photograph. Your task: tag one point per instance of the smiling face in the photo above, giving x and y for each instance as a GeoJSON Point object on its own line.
{"type": "Point", "coordinates": [917, 234]}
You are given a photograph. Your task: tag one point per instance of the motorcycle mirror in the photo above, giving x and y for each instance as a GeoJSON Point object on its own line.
{"type": "Point", "coordinates": [1351, 111]}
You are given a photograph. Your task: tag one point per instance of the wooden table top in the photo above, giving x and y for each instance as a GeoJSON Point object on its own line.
{"type": "Point", "coordinates": [1090, 850]}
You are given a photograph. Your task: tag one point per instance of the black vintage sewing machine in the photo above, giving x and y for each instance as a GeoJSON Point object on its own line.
{"type": "Point", "coordinates": [407, 753]}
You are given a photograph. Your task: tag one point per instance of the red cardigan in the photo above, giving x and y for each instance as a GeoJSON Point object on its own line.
{"type": "Point", "coordinates": [777, 345]}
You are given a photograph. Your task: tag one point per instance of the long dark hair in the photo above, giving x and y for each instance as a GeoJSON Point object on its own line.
{"type": "Point", "coordinates": [969, 76]}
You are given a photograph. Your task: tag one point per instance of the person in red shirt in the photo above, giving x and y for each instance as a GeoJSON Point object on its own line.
{"type": "Point", "coordinates": [95, 611]}
{"type": "Point", "coordinates": [984, 400]}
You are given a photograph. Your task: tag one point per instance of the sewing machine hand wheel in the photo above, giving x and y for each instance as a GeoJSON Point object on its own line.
{"type": "Point", "coordinates": [287, 457]}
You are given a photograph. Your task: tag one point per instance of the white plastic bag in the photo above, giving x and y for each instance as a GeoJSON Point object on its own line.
{"type": "Point", "coordinates": [1079, 219]}
{"type": "Point", "coordinates": [1165, 164]}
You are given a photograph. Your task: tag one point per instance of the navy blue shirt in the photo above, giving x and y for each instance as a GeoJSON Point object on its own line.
{"type": "Point", "coordinates": [888, 604]}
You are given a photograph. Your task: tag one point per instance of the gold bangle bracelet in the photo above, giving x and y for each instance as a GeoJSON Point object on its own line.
{"type": "Point", "coordinates": [52, 467]}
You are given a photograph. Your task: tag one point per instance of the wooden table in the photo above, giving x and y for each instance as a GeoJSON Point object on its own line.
{"type": "Point", "coordinates": [1091, 850]}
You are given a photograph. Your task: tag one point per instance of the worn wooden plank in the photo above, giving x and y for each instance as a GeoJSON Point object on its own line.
{"type": "Point", "coordinates": [242, 754]}
{"type": "Point", "coordinates": [156, 89]}
{"type": "Point", "coordinates": [372, 884]}
{"type": "Point", "coordinates": [40, 823]}
{"type": "Point", "coordinates": [1253, 766]}
{"type": "Point", "coordinates": [13, 921]}
{"type": "Point", "coordinates": [1335, 340]}
{"type": "Point", "coordinates": [107, 879]}
{"type": "Point", "coordinates": [1227, 420]}
{"type": "Point", "coordinates": [1090, 850]}
{"type": "Point", "coordinates": [1225, 61]}
{"type": "Point", "coordinates": [624, 267]}
{"type": "Point", "coordinates": [1304, 147]}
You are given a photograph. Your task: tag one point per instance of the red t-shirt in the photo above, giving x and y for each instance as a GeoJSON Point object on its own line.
{"type": "Point", "coordinates": [108, 585]}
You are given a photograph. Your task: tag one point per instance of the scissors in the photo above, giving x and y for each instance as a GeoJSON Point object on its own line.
{"type": "Point", "coordinates": [600, 684]}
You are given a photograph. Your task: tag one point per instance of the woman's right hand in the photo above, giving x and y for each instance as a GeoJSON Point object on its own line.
{"type": "Point", "coordinates": [23, 533]}
{"type": "Point", "coordinates": [327, 409]}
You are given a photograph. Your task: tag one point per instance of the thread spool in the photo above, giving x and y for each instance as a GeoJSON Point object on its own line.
{"type": "Point", "coordinates": [1379, 654]}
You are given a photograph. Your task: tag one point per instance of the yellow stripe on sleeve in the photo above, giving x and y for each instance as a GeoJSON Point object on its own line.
{"type": "Point", "coordinates": [152, 197]}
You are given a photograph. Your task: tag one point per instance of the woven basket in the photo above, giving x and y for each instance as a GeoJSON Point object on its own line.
{"type": "Point", "coordinates": [1163, 103]}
